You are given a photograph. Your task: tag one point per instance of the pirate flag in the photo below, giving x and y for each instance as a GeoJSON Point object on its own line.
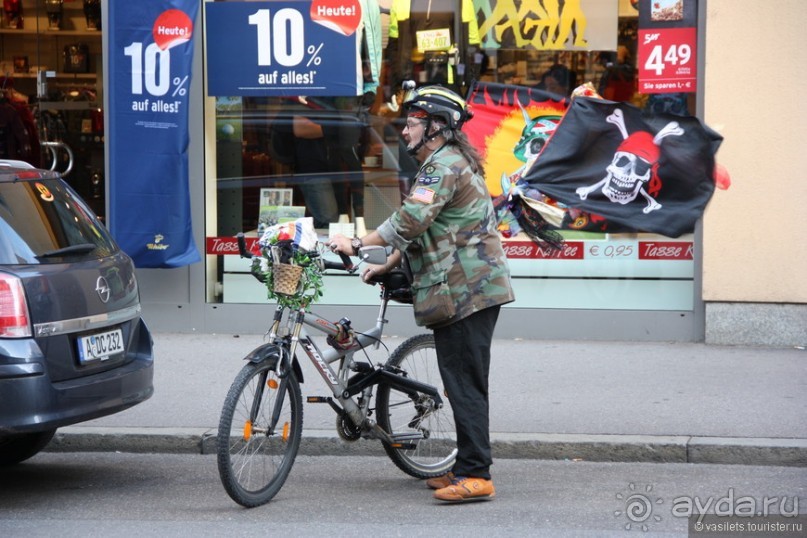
{"type": "Point", "coordinates": [643, 173]}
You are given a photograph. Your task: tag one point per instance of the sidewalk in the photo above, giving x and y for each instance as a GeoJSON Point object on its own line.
{"type": "Point", "coordinates": [595, 401]}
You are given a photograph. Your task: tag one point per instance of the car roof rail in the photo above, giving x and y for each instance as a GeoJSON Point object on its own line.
{"type": "Point", "coordinates": [11, 163]}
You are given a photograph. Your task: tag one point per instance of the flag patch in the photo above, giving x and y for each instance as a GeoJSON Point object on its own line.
{"type": "Point", "coordinates": [422, 194]}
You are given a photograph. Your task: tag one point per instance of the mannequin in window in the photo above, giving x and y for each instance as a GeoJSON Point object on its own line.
{"type": "Point", "coordinates": [345, 137]}
{"type": "Point", "coordinates": [332, 149]}
{"type": "Point", "coordinates": [14, 143]}
{"type": "Point", "coordinates": [407, 18]}
{"type": "Point", "coordinates": [559, 80]}
{"type": "Point", "coordinates": [19, 101]}
{"type": "Point", "coordinates": [618, 83]}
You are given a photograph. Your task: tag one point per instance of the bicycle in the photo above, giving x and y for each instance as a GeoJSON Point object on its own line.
{"type": "Point", "coordinates": [260, 428]}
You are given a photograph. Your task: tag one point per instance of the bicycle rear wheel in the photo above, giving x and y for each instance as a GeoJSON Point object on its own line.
{"type": "Point", "coordinates": [427, 435]}
{"type": "Point", "coordinates": [255, 459]}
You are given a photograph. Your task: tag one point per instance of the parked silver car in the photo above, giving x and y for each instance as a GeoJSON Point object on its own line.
{"type": "Point", "coordinates": [73, 346]}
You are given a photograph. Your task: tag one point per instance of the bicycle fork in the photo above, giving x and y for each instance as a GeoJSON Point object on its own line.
{"type": "Point", "coordinates": [263, 382]}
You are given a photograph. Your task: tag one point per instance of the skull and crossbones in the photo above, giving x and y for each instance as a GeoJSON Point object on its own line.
{"type": "Point", "coordinates": [634, 164]}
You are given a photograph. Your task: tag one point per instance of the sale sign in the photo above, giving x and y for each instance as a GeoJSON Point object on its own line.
{"type": "Point", "coordinates": [150, 60]}
{"type": "Point", "coordinates": [284, 48]}
{"type": "Point", "coordinates": [667, 48]}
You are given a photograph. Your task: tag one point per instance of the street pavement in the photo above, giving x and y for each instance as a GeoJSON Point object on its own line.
{"type": "Point", "coordinates": [560, 400]}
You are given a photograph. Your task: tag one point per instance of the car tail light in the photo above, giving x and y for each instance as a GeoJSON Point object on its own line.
{"type": "Point", "coordinates": [14, 319]}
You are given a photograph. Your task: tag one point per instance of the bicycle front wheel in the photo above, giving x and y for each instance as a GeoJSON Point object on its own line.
{"type": "Point", "coordinates": [259, 433]}
{"type": "Point", "coordinates": [425, 436]}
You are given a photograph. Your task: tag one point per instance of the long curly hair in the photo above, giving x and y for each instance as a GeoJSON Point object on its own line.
{"type": "Point", "coordinates": [459, 140]}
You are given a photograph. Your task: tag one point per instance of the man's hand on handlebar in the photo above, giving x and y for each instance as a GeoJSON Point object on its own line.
{"type": "Point", "coordinates": [340, 244]}
{"type": "Point", "coordinates": [372, 271]}
{"type": "Point", "coordinates": [339, 248]}
{"type": "Point", "coordinates": [345, 246]}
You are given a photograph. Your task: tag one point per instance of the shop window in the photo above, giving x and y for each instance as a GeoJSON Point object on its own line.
{"type": "Point", "coordinates": [51, 64]}
{"type": "Point", "coordinates": [346, 166]}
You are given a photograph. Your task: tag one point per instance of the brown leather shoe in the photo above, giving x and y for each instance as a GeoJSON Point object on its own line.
{"type": "Point", "coordinates": [440, 482]}
{"type": "Point", "coordinates": [467, 489]}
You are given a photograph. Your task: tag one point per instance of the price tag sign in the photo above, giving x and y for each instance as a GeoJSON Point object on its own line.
{"type": "Point", "coordinates": [439, 39]}
{"type": "Point", "coordinates": [611, 250]}
{"type": "Point", "coordinates": [667, 51]}
{"type": "Point", "coordinates": [667, 60]}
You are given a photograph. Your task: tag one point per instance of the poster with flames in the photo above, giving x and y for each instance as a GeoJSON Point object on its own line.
{"type": "Point", "coordinates": [511, 124]}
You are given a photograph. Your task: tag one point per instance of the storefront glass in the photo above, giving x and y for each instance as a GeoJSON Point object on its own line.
{"type": "Point", "coordinates": [52, 84]}
{"type": "Point", "coordinates": [341, 160]}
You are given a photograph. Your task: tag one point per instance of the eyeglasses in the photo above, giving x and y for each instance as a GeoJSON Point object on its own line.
{"type": "Point", "coordinates": [413, 122]}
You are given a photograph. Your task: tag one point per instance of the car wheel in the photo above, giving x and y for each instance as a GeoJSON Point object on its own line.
{"type": "Point", "coordinates": [19, 447]}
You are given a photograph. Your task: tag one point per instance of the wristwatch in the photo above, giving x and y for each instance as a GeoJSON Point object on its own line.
{"type": "Point", "coordinates": [356, 244]}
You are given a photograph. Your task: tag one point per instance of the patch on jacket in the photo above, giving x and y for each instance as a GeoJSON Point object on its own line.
{"type": "Point", "coordinates": [422, 194]}
{"type": "Point", "coordinates": [428, 180]}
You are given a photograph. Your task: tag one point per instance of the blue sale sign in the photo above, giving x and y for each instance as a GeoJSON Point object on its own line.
{"type": "Point", "coordinates": [283, 48]}
{"type": "Point", "coordinates": [151, 52]}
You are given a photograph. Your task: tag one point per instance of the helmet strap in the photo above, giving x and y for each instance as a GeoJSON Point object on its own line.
{"type": "Point", "coordinates": [427, 137]}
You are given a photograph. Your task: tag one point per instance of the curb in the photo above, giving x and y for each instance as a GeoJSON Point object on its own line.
{"type": "Point", "coordinates": [542, 446]}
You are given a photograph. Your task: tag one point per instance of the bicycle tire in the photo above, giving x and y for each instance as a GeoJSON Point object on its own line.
{"type": "Point", "coordinates": [253, 465]}
{"type": "Point", "coordinates": [397, 413]}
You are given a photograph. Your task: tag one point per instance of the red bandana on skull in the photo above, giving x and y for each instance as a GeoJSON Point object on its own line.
{"type": "Point", "coordinates": [642, 145]}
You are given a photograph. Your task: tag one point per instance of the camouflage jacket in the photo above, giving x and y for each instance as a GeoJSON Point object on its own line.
{"type": "Point", "coordinates": [447, 227]}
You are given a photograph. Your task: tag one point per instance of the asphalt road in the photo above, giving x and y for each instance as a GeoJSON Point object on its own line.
{"type": "Point", "coordinates": [119, 494]}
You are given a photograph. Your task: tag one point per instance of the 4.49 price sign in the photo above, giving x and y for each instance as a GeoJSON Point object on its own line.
{"type": "Point", "coordinates": [667, 48]}
{"type": "Point", "coordinates": [667, 60]}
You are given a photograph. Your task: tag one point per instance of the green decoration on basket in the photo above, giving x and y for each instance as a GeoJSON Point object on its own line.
{"type": "Point", "coordinates": [293, 278]}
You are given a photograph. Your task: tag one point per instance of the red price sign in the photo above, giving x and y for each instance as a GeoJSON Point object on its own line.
{"type": "Point", "coordinates": [668, 60]}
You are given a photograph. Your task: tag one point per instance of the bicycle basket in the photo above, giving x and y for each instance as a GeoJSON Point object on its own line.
{"type": "Point", "coordinates": [286, 278]}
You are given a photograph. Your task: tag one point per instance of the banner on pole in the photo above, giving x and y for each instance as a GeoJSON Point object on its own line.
{"type": "Point", "coordinates": [150, 58]}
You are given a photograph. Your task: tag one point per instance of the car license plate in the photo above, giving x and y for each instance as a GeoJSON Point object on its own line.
{"type": "Point", "coordinates": [99, 347]}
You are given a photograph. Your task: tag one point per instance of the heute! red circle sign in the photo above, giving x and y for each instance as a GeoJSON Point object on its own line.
{"type": "Point", "coordinates": [173, 27]}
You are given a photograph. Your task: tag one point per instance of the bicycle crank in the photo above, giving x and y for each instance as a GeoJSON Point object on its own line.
{"type": "Point", "coordinates": [346, 429]}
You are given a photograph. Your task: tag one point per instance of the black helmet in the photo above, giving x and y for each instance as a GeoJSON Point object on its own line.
{"type": "Point", "coordinates": [438, 102]}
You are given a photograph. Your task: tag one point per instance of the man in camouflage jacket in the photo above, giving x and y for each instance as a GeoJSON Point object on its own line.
{"type": "Point", "coordinates": [447, 228]}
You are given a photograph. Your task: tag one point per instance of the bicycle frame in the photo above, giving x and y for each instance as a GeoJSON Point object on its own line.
{"type": "Point", "coordinates": [343, 386]}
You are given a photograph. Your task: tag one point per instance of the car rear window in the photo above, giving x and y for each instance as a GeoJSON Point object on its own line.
{"type": "Point", "coordinates": [44, 221]}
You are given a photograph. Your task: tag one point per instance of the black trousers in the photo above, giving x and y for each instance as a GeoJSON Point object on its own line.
{"type": "Point", "coordinates": [463, 356]}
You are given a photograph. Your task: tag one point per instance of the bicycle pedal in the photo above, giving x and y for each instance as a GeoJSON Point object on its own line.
{"type": "Point", "coordinates": [404, 446]}
{"type": "Point", "coordinates": [406, 441]}
{"type": "Point", "coordinates": [362, 367]}
{"type": "Point", "coordinates": [318, 399]}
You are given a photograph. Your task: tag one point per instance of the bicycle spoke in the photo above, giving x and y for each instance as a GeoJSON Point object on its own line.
{"type": "Point", "coordinates": [425, 435]}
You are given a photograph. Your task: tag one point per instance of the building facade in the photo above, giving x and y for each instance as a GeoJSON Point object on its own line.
{"type": "Point", "coordinates": [735, 280]}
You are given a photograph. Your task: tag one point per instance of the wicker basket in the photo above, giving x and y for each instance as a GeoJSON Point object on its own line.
{"type": "Point", "coordinates": [286, 278]}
